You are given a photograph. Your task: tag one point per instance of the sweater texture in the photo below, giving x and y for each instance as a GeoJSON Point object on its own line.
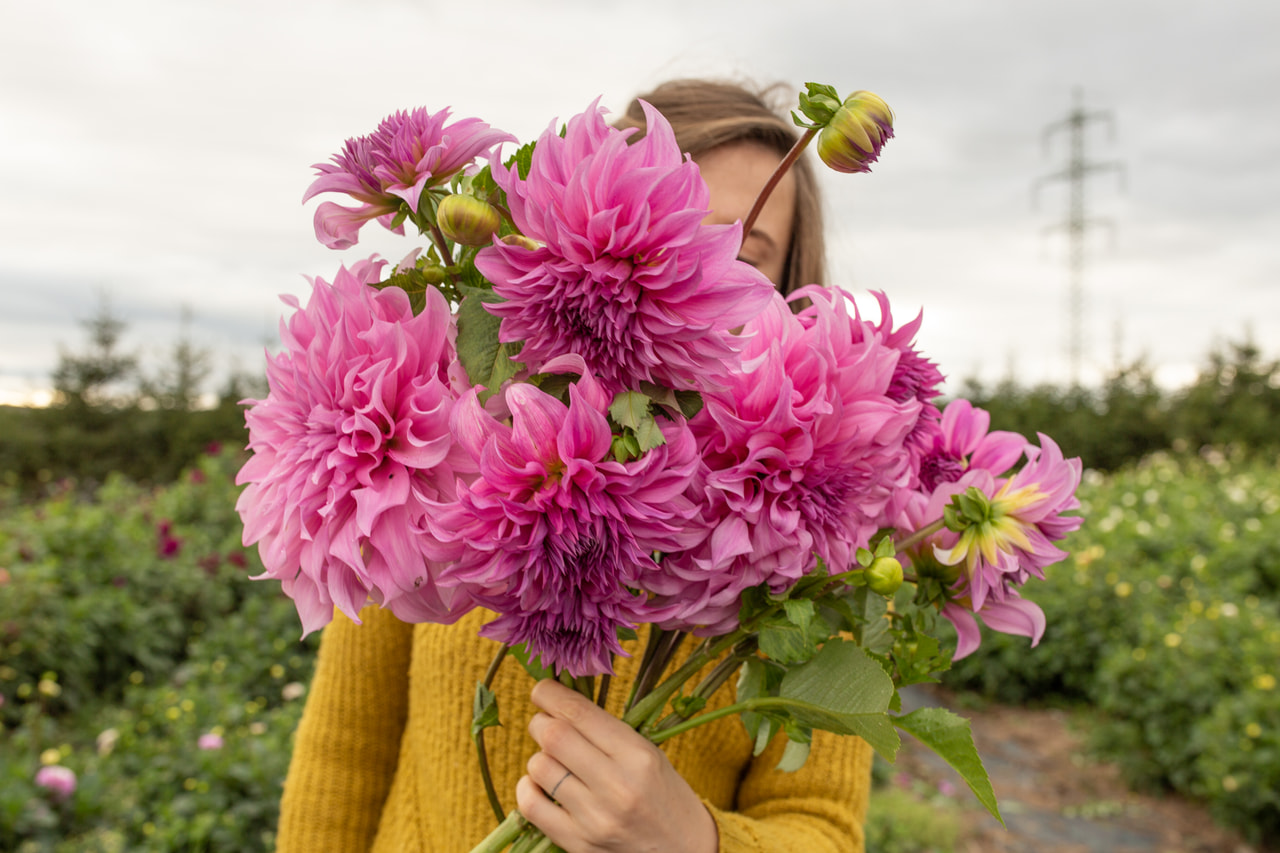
{"type": "Point", "coordinates": [383, 759]}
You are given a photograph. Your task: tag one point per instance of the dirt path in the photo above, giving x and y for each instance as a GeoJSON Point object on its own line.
{"type": "Point", "coordinates": [1056, 800]}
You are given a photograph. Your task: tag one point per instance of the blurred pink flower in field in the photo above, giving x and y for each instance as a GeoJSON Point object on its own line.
{"type": "Point", "coordinates": [59, 781]}
{"type": "Point", "coordinates": [627, 275]}
{"type": "Point", "coordinates": [209, 741]}
{"type": "Point", "coordinates": [804, 448]}
{"type": "Point", "coordinates": [555, 535]}
{"type": "Point", "coordinates": [349, 445]}
{"type": "Point", "coordinates": [167, 545]}
{"type": "Point", "coordinates": [409, 152]}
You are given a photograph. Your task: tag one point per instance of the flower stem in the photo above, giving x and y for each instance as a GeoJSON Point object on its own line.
{"type": "Point", "coordinates": [787, 162]}
{"type": "Point", "coordinates": [485, 775]}
{"type": "Point", "coordinates": [920, 535]}
{"type": "Point", "coordinates": [498, 840]}
{"type": "Point", "coordinates": [437, 237]}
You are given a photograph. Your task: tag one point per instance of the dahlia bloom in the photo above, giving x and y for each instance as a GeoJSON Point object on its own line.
{"type": "Point", "coordinates": [350, 444]}
{"type": "Point", "coordinates": [627, 275]}
{"type": "Point", "coordinates": [804, 448]}
{"type": "Point", "coordinates": [409, 152]}
{"type": "Point", "coordinates": [59, 781]}
{"type": "Point", "coordinates": [989, 560]}
{"type": "Point", "coordinates": [964, 441]}
{"type": "Point", "coordinates": [556, 536]}
{"type": "Point", "coordinates": [209, 741]}
{"type": "Point", "coordinates": [914, 378]}
{"type": "Point", "coordinates": [1022, 517]}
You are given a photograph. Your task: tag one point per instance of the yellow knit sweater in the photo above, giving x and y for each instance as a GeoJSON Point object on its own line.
{"type": "Point", "coordinates": [383, 759]}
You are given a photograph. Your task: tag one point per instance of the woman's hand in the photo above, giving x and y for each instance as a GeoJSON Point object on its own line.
{"type": "Point", "coordinates": [614, 790]}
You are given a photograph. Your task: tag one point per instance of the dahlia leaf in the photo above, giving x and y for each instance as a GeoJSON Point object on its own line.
{"type": "Point", "coordinates": [629, 409]}
{"type": "Point", "coordinates": [648, 434]}
{"type": "Point", "coordinates": [843, 690]}
{"type": "Point", "coordinates": [531, 663]}
{"type": "Point", "coordinates": [488, 361]}
{"type": "Point", "coordinates": [484, 710]}
{"type": "Point", "coordinates": [950, 737]}
{"type": "Point", "coordinates": [794, 756]}
{"type": "Point", "coordinates": [757, 678]}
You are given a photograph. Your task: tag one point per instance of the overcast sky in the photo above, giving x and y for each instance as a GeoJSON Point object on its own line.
{"type": "Point", "coordinates": [154, 154]}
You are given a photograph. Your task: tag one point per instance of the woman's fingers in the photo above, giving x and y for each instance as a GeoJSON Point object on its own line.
{"type": "Point", "coordinates": [598, 726]}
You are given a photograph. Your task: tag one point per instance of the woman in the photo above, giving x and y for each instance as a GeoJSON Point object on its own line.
{"type": "Point", "coordinates": [383, 759]}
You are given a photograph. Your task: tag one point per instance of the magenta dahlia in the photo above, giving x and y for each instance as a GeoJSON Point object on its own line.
{"type": "Point", "coordinates": [350, 444]}
{"type": "Point", "coordinates": [626, 275]}
{"type": "Point", "coordinates": [804, 448]}
{"type": "Point", "coordinates": [556, 536]}
{"type": "Point", "coordinates": [390, 168]}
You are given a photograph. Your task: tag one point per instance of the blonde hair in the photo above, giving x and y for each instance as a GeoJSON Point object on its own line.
{"type": "Point", "coordinates": [706, 114]}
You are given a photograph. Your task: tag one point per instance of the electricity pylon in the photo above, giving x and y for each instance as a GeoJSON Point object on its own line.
{"type": "Point", "coordinates": [1077, 223]}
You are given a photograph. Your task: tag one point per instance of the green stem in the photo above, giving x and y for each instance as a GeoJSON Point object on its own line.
{"type": "Point", "coordinates": [713, 682]}
{"type": "Point", "coordinates": [507, 831]}
{"type": "Point", "coordinates": [920, 535]}
{"type": "Point", "coordinates": [787, 162]}
{"type": "Point", "coordinates": [652, 704]}
{"type": "Point", "coordinates": [485, 775]}
{"type": "Point", "coordinates": [603, 696]}
{"type": "Point", "coordinates": [657, 654]}
{"type": "Point", "coordinates": [442, 243]}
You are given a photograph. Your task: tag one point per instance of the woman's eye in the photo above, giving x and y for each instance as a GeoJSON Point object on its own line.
{"type": "Point", "coordinates": [748, 261]}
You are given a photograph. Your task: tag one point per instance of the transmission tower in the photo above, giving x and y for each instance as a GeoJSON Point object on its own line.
{"type": "Point", "coordinates": [1077, 223]}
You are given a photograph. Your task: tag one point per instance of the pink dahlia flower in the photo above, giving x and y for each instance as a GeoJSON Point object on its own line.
{"type": "Point", "coordinates": [964, 441]}
{"type": "Point", "coordinates": [555, 535]}
{"type": "Point", "coordinates": [627, 275]}
{"type": "Point", "coordinates": [409, 152]}
{"type": "Point", "coordinates": [350, 445]}
{"type": "Point", "coordinates": [991, 559]}
{"type": "Point", "coordinates": [59, 781]}
{"type": "Point", "coordinates": [914, 378]}
{"type": "Point", "coordinates": [804, 448]}
{"type": "Point", "coordinates": [209, 741]}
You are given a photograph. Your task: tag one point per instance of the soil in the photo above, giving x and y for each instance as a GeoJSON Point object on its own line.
{"type": "Point", "coordinates": [1054, 797]}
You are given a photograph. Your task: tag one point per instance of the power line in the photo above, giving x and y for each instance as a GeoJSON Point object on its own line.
{"type": "Point", "coordinates": [1077, 223]}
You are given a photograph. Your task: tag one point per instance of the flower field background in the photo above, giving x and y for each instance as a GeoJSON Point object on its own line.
{"type": "Point", "coordinates": [135, 652]}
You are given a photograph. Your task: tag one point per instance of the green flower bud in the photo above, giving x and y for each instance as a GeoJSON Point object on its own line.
{"type": "Point", "coordinates": [434, 273]}
{"type": "Point", "coordinates": [884, 576]}
{"type": "Point", "coordinates": [852, 140]}
{"type": "Point", "coordinates": [468, 220]}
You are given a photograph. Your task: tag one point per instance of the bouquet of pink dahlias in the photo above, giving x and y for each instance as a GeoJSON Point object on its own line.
{"type": "Point", "coordinates": [574, 407]}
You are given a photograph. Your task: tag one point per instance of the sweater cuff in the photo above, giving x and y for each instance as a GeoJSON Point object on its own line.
{"type": "Point", "coordinates": [735, 832]}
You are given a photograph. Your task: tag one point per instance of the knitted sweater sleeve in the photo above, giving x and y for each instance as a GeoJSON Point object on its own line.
{"type": "Point", "coordinates": [821, 808]}
{"type": "Point", "coordinates": [347, 742]}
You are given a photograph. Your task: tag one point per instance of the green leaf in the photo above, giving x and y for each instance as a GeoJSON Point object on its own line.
{"type": "Point", "coordinates": [532, 665]}
{"type": "Point", "coordinates": [648, 435]}
{"type": "Point", "coordinates": [690, 403]}
{"type": "Point", "coordinates": [484, 710]}
{"type": "Point", "coordinates": [487, 361]}
{"type": "Point", "coordinates": [629, 409]}
{"type": "Point", "coordinates": [950, 737]}
{"type": "Point", "coordinates": [843, 690]}
{"type": "Point", "coordinates": [799, 613]}
{"type": "Point", "coordinates": [794, 756]}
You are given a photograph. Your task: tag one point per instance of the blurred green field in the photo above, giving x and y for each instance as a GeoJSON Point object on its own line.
{"type": "Point", "coordinates": [131, 636]}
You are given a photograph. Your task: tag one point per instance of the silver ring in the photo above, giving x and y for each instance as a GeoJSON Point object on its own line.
{"type": "Point", "coordinates": [552, 792]}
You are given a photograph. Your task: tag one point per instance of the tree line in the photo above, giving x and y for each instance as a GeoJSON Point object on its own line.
{"type": "Point", "coordinates": [109, 415]}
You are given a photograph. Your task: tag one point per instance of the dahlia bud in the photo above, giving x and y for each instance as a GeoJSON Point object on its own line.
{"type": "Point", "coordinates": [468, 220]}
{"type": "Point", "coordinates": [852, 139]}
{"type": "Point", "coordinates": [884, 575]}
